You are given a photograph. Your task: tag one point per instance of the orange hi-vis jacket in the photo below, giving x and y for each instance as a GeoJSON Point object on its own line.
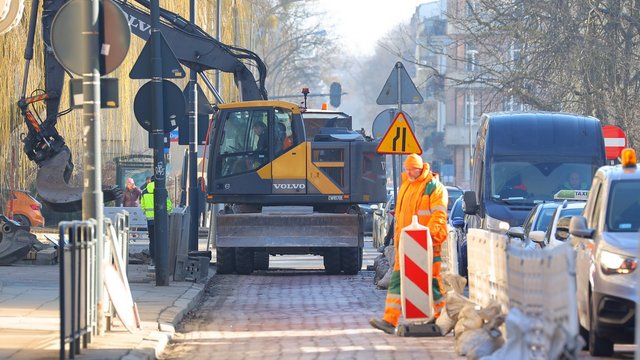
{"type": "Point", "coordinates": [427, 198]}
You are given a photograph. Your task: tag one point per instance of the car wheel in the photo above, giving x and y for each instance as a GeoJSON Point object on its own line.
{"type": "Point", "coordinates": [225, 260]}
{"type": "Point", "coordinates": [598, 346]}
{"type": "Point", "coordinates": [22, 220]}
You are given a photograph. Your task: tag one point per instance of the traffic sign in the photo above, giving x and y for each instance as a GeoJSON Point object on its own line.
{"type": "Point", "coordinates": [68, 38]}
{"type": "Point", "coordinates": [173, 103]}
{"type": "Point", "coordinates": [171, 68]}
{"type": "Point", "coordinates": [614, 141]}
{"type": "Point", "coordinates": [399, 80]}
{"type": "Point", "coordinates": [383, 120]}
{"type": "Point", "coordinates": [399, 139]}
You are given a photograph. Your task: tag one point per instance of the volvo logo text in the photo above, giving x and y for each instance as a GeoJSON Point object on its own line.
{"type": "Point", "coordinates": [289, 186]}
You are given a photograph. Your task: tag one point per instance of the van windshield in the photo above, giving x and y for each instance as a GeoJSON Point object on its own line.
{"type": "Point", "coordinates": [523, 181]}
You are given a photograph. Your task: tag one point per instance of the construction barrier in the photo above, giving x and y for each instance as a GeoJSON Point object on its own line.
{"type": "Point", "coordinates": [416, 262]}
{"type": "Point", "coordinates": [540, 283]}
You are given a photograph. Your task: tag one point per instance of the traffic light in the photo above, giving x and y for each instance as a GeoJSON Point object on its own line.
{"type": "Point", "coordinates": [335, 93]}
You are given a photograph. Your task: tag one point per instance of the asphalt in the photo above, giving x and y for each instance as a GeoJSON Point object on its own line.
{"type": "Point", "coordinates": [30, 314]}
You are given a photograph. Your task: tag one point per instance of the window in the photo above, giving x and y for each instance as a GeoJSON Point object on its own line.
{"type": "Point", "coordinates": [623, 212]}
{"type": "Point", "coordinates": [245, 141]}
{"type": "Point", "coordinates": [283, 131]}
{"type": "Point", "coordinates": [511, 104]}
{"type": "Point", "coordinates": [470, 109]}
{"type": "Point", "coordinates": [470, 57]}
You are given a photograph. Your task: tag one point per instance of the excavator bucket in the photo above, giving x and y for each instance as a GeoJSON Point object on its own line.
{"type": "Point", "coordinates": [52, 184]}
{"type": "Point", "coordinates": [287, 230]}
{"type": "Point", "coordinates": [15, 241]}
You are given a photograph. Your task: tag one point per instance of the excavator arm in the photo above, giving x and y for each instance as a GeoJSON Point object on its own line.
{"type": "Point", "coordinates": [192, 46]}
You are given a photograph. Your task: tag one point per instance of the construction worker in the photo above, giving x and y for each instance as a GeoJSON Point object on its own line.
{"type": "Point", "coordinates": [420, 194]}
{"type": "Point", "coordinates": [147, 205]}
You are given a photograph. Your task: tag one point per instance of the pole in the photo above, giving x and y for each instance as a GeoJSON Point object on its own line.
{"type": "Point", "coordinates": [194, 202]}
{"type": "Point", "coordinates": [92, 206]}
{"type": "Point", "coordinates": [161, 252]}
{"type": "Point", "coordinates": [396, 163]}
{"type": "Point", "coordinates": [218, 28]}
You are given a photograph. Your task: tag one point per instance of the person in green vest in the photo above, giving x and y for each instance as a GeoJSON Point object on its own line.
{"type": "Point", "coordinates": [146, 203]}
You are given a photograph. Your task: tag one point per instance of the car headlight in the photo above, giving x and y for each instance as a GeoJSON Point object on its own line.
{"type": "Point", "coordinates": [494, 224]}
{"type": "Point", "coordinates": [611, 263]}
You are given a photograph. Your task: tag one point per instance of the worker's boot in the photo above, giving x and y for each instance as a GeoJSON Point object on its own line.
{"type": "Point", "coordinates": [383, 325]}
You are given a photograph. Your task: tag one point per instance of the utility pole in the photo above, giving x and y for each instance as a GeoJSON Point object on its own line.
{"type": "Point", "coordinates": [92, 206]}
{"type": "Point", "coordinates": [161, 243]}
{"type": "Point", "coordinates": [194, 201]}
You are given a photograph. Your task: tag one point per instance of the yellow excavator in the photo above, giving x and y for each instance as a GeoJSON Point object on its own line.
{"type": "Point", "coordinates": [291, 180]}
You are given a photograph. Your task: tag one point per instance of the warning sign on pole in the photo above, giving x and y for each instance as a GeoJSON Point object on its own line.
{"type": "Point", "coordinates": [399, 139]}
{"type": "Point", "coordinates": [416, 260]}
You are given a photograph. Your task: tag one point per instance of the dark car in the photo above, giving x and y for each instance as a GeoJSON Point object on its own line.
{"type": "Point", "coordinates": [367, 212]}
{"type": "Point", "coordinates": [456, 237]}
{"type": "Point", "coordinates": [454, 193]}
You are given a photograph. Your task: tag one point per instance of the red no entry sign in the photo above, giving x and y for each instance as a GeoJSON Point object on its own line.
{"type": "Point", "coordinates": [614, 141]}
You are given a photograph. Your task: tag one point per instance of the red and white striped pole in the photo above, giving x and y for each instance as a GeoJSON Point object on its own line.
{"type": "Point", "coordinates": [416, 262]}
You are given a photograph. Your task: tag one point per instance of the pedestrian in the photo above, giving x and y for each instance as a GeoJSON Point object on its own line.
{"type": "Point", "coordinates": [147, 180]}
{"type": "Point", "coordinates": [202, 202]}
{"type": "Point", "coordinates": [423, 195]}
{"type": "Point", "coordinates": [147, 205]}
{"type": "Point", "coordinates": [131, 197]}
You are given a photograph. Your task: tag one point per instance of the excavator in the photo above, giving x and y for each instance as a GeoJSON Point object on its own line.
{"type": "Point", "coordinates": [290, 178]}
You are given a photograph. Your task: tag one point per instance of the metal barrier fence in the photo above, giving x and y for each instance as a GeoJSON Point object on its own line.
{"type": "Point", "coordinates": [77, 244]}
{"type": "Point", "coordinates": [78, 277]}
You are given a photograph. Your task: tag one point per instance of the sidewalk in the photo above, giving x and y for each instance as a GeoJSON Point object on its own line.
{"type": "Point", "coordinates": [30, 322]}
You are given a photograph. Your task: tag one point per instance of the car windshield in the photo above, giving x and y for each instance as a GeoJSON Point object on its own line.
{"type": "Point", "coordinates": [571, 211]}
{"type": "Point", "coordinates": [521, 181]}
{"type": "Point", "coordinates": [544, 218]}
{"type": "Point", "coordinates": [454, 193]}
{"type": "Point", "coordinates": [623, 211]}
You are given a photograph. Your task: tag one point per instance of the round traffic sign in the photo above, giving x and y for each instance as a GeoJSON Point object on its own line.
{"type": "Point", "coordinates": [173, 104]}
{"type": "Point", "coordinates": [615, 140]}
{"type": "Point", "coordinates": [383, 120]}
{"type": "Point", "coordinates": [10, 14]}
{"type": "Point", "coordinates": [68, 41]}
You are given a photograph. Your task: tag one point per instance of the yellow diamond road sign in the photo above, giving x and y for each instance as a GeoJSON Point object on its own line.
{"type": "Point", "coordinates": [399, 139]}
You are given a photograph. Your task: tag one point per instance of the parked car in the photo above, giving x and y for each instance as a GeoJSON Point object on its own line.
{"type": "Point", "coordinates": [457, 238]}
{"type": "Point", "coordinates": [536, 221]}
{"type": "Point", "coordinates": [454, 193]}
{"type": "Point", "coordinates": [367, 212]}
{"type": "Point", "coordinates": [20, 206]}
{"type": "Point", "coordinates": [605, 238]}
{"type": "Point", "coordinates": [382, 219]}
{"type": "Point", "coordinates": [558, 229]}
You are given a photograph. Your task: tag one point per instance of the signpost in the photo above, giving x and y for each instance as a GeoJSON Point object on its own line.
{"type": "Point", "coordinates": [614, 141]}
{"type": "Point", "coordinates": [399, 89]}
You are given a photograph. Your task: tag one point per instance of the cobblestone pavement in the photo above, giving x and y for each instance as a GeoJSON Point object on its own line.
{"type": "Point", "coordinates": [295, 314]}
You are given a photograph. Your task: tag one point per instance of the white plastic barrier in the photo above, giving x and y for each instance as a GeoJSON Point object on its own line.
{"type": "Point", "coordinates": [449, 254]}
{"type": "Point", "coordinates": [487, 266]}
{"type": "Point", "coordinates": [137, 221]}
{"type": "Point", "coordinates": [539, 283]}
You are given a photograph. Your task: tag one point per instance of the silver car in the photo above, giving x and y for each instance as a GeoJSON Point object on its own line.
{"type": "Point", "coordinates": [606, 241]}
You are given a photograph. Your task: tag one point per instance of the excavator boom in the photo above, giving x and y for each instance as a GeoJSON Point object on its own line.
{"type": "Point", "coordinates": [192, 46]}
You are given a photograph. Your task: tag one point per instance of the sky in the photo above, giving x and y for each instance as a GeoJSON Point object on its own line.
{"type": "Point", "coordinates": [361, 23]}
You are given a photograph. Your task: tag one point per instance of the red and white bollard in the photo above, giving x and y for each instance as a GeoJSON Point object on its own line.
{"type": "Point", "coordinates": [416, 263]}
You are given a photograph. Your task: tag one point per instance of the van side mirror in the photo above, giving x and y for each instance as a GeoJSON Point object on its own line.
{"type": "Point", "coordinates": [578, 227]}
{"type": "Point", "coordinates": [562, 228]}
{"type": "Point", "coordinates": [516, 232]}
{"type": "Point", "coordinates": [469, 203]}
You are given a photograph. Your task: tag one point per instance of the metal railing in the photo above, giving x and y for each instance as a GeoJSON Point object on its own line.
{"type": "Point", "coordinates": [78, 303]}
